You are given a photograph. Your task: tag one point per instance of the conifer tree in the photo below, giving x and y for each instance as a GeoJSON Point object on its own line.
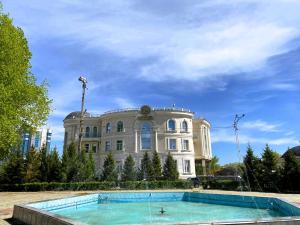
{"type": "Point", "coordinates": [129, 172]}
{"type": "Point", "coordinates": [91, 171]}
{"type": "Point", "coordinates": [70, 167]}
{"type": "Point", "coordinates": [157, 173]}
{"type": "Point", "coordinates": [109, 169]}
{"type": "Point", "coordinates": [33, 163]}
{"type": "Point", "coordinates": [252, 173]}
{"type": "Point", "coordinates": [146, 169]}
{"type": "Point", "coordinates": [44, 163]}
{"type": "Point", "coordinates": [270, 170]}
{"type": "Point", "coordinates": [170, 171]}
{"type": "Point", "coordinates": [54, 166]}
{"type": "Point", "coordinates": [13, 169]}
{"type": "Point", "coordinates": [290, 180]}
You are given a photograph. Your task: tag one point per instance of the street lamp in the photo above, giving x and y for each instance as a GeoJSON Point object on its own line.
{"type": "Point", "coordinates": [83, 80]}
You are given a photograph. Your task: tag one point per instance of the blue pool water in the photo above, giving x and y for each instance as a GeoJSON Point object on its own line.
{"type": "Point", "coordinates": [144, 208]}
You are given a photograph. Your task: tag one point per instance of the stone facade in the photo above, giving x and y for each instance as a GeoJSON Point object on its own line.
{"type": "Point", "coordinates": [134, 131]}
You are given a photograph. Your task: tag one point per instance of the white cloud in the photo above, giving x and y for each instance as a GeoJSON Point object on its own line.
{"type": "Point", "coordinates": [225, 136]}
{"type": "Point", "coordinates": [260, 125]}
{"type": "Point", "coordinates": [185, 46]}
{"type": "Point", "coordinates": [124, 103]}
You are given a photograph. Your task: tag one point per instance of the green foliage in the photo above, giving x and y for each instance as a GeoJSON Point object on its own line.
{"type": "Point", "coordinates": [33, 164]}
{"type": "Point", "coordinates": [170, 171]}
{"type": "Point", "coordinates": [109, 169]}
{"type": "Point", "coordinates": [43, 163]}
{"type": "Point", "coordinates": [24, 105]}
{"type": "Point", "coordinates": [270, 170]}
{"type": "Point", "coordinates": [290, 172]}
{"type": "Point", "coordinates": [13, 170]}
{"type": "Point", "coordinates": [214, 165]}
{"type": "Point", "coordinates": [90, 169]}
{"type": "Point", "coordinates": [54, 166]}
{"type": "Point", "coordinates": [146, 169]}
{"type": "Point", "coordinates": [253, 169]}
{"type": "Point", "coordinates": [222, 184]}
{"type": "Point", "coordinates": [70, 167]}
{"type": "Point", "coordinates": [156, 165]}
{"type": "Point", "coordinates": [129, 172]}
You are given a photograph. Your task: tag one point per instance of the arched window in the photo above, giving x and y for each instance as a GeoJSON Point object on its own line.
{"type": "Point", "coordinates": [120, 126]}
{"type": "Point", "coordinates": [146, 133]}
{"type": "Point", "coordinates": [87, 132]}
{"type": "Point", "coordinates": [184, 126]}
{"type": "Point", "coordinates": [171, 125]}
{"type": "Point", "coordinates": [95, 132]}
{"type": "Point", "coordinates": [108, 128]}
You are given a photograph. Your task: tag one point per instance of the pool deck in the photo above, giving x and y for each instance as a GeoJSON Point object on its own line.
{"type": "Point", "coordinates": [9, 199]}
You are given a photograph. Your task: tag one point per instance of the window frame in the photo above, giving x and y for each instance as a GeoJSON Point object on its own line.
{"type": "Point", "coordinates": [168, 125]}
{"type": "Point", "coordinates": [146, 133]}
{"type": "Point", "coordinates": [118, 144]}
{"type": "Point", "coordinates": [108, 128]}
{"type": "Point", "coordinates": [120, 126]}
{"type": "Point", "coordinates": [95, 134]}
{"type": "Point", "coordinates": [94, 150]}
{"type": "Point", "coordinates": [107, 143]}
{"type": "Point", "coordinates": [183, 145]}
{"type": "Point", "coordinates": [87, 132]}
{"type": "Point", "coordinates": [87, 147]}
{"type": "Point", "coordinates": [184, 129]}
{"type": "Point", "coordinates": [169, 144]}
{"type": "Point", "coordinates": [186, 166]}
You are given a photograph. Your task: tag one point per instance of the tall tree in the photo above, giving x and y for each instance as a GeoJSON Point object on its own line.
{"type": "Point", "coordinates": [170, 171]}
{"type": "Point", "coordinates": [252, 173]}
{"type": "Point", "coordinates": [214, 165]}
{"type": "Point", "coordinates": [290, 172]}
{"type": "Point", "coordinates": [270, 169]}
{"type": "Point", "coordinates": [157, 173]}
{"type": "Point", "coordinates": [13, 169]}
{"type": "Point", "coordinates": [146, 169]}
{"type": "Point", "coordinates": [129, 172]}
{"type": "Point", "coordinates": [24, 105]}
{"type": "Point", "coordinates": [109, 169]}
{"type": "Point", "coordinates": [70, 167]}
{"type": "Point", "coordinates": [54, 166]}
{"type": "Point", "coordinates": [91, 170]}
{"type": "Point", "coordinates": [44, 163]}
{"type": "Point", "coordinates": [33, 163]}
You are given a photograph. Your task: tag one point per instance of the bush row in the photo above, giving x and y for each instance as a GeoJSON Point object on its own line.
{"type": "Point", "coordinates": [76, 186]}
{"type": "Point", "coordinates": [231, 185]}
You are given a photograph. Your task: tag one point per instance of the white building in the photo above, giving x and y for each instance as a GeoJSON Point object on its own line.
{"type": "Point", "coordinates": [134, 131]}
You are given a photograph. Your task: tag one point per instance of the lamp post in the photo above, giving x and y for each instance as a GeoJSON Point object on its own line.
{"type": "Point", "coordinates": [83, 80]}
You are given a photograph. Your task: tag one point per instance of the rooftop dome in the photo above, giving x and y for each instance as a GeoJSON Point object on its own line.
{"type": "Point", "coordinates": [74, 115]}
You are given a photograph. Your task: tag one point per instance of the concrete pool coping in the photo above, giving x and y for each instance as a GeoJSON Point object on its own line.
{"type": "Point", "coordinates": [34, 216]}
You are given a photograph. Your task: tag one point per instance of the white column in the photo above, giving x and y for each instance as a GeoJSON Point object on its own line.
{"type": "Point", "coordinates": [136, 141]}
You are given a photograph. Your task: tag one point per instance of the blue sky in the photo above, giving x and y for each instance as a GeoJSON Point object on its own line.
{"type": "Point", "coordinates": [218, 58]}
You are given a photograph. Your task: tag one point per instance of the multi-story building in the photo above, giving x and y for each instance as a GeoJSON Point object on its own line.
{"type": "Point", "coordinates": [134, 131]}
{"type": "Point", "coordinates": [42, 137]}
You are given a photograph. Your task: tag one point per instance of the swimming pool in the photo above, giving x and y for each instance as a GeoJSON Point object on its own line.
{"type": "Point", "coordinates": [166, 207]}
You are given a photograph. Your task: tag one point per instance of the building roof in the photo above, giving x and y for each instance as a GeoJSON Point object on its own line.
{"type": "Point", "coordinates": [295, 149]}
{"type": "Point", "coordinates": [74, 115]}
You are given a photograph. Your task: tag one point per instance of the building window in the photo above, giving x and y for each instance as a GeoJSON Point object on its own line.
{"type": "Point", "coordinates": [95, 131]}
{"type": "Point", "coordinates": [94, 148]}
{"type": "Point", "coordinates": [172, 144]}
{"type": "Point", "coordinates": [186, 166]}
{"type": "Point", "coordinates": [171, 125]}
{"type": "Point", "coordinates": [108, 128]}
{"type": "Point", "coordinates": [146, 136]}
{"type": "Point", "coordinates": [107, 146]}
{"type": "Point", "coordinates": [185, 145]}
{"type": "Point", "coordinates": [87, 132]}
{"type": "Point", "coordinates": [120, 126]}
{"type": "Point", "coordinates": [119, 145]}
{"type": "Point", "coordinates": [87, 147]}
{"type": "Point", "coordinates": [184, 126]}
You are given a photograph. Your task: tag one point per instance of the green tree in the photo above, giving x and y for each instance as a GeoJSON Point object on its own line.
{"type": "Point", "coordinates": [44, 163]}
{"type": "Point", "coordinates": [129, 172]}
{"type": "Point", "coordinates": [157, 173]}
{"type": "Point", "coordinates": [91, 170]}
{"type": "Point", "coordinates": [170, 171]}
{"type": "Point", "coordinates": [54, 166]}
{"type": "Point", "coordinates": [290, 172]}
{"type": "Point", "coordinates": [70, 167]}
{"type": "Point", "coordinates": [214, 165]}
{"type": "Point", "coordinates": [33, 163]}
{"type": "Point", "coordinates": [24, 105]}
{"type": "Point", "coordinates": [109, 169]}
{"type": "Point", "coordinates": [146, 169]}
{"type": "Point", "coordinates": [252, 171]}
{"type": "Point", "coordinates": [270, 170]}
{"type": "Point", "coordinates": [13, 170]}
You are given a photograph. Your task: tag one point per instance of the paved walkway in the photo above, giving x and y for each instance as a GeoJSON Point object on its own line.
{"type": "Point", "coordinates": [8, 199]}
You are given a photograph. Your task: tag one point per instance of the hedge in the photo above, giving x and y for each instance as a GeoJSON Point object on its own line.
{"type": "Point", "coordinates": [223, 185]}
{"type": "Point", "coordinates": [76, 186]}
